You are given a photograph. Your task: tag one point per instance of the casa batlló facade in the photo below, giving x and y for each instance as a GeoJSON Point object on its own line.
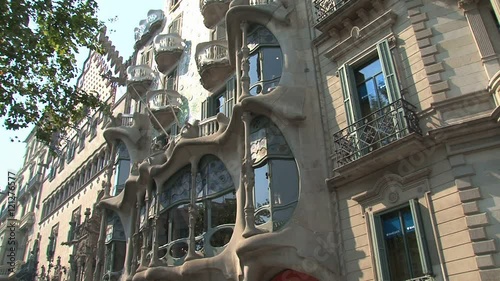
{"type": "Point", "coordinates": [282, 140]}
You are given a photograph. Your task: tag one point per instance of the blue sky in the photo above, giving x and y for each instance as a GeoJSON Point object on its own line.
{"type": "Point", "coordinates": [128, 13]}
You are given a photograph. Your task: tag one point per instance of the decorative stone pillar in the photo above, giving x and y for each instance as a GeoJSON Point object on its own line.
{"type": "Point", "coordinates": [154, 228]}
{"type": "Point", "coordinates": [104, 219]}
{"type": "Point", "coordinates": [248, 180]}
{"type": "Point", "coordinates": [245, 64]}
{"type": "Point", "coordinates": [191, 254]}
{"type": "Point", "coordinates": [132, 264]}
{"type": "Point", "coordinates": [483, 42]}
{"type": "Point", "coordinates": [145, 235]}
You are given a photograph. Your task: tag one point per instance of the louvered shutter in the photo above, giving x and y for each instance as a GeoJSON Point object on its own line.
{"type": "Point", "coordinates": [379, 250]}
{"type": "Point", "coordinates": [421, 241]}
{"type": "Point", "coordinates": [391, 80]}
{"type": "Point", "coordinates": [349, 94]}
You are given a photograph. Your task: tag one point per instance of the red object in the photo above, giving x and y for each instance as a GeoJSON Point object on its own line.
{"type": "Point", "coordinates": [292, 275]}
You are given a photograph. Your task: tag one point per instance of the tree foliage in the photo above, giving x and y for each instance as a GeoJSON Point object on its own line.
{"type": "Point", "coordinates": [38, 43]}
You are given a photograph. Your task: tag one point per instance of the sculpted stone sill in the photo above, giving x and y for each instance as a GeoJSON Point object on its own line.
{"type": "Point", "coordinates": [357, 35]}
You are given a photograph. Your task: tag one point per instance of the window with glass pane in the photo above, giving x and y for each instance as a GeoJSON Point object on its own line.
{"type": "Point", "coordinates": [266, 61]}
{"type": "Point", "coordinates": [215, 207]}
{"type": "Point", "coordinates": [370, 84]}
{"type": "Point", "coordinates": [171, 80]}
{"type": "Point", "coordinates": [400, 240]}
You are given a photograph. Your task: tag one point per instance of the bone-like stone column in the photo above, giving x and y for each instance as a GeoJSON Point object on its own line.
{"type": "Point", "coordinates": [129, 262]}
{"type": "Point", "coordinates": [132, 263]}
{"type": "Point", "coordinates": [154, 228]}
{"type": "Point", "coordinates": [481, 37]}
{"type": "Point", "coordinates": [191, 254]}
{"type": "Point", "coordinates": [245, 64]}
{"type": "Point", "coordinates": [145, 234]}
{"type": "Point", "coordinates": [248, 180]}
{"type": "Point", "coordinates": [102, 231]}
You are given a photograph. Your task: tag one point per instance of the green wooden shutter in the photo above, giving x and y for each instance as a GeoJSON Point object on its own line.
{"type": "Point", "coordinates": [230, 87]}
{"type": "Point", "coordinates": [391, 79]}
{"type": "Point", "coordinates": [349, 94]}
{"type": "Point", "coordinates": [421, 241]}
{"type": "Point", "coordinates": [379, 251]}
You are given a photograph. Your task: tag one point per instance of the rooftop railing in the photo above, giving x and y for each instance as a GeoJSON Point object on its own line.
{"type": "Point", "coordinates": [374, 131]}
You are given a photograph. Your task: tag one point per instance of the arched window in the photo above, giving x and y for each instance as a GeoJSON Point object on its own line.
{"type": "Point", "coordinates": [276, 175]}
{"type": "Point", "coordinates": [266, 60]}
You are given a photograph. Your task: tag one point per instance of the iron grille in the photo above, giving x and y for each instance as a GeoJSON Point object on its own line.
{"type": "Point", "coordinates": [324, 8]}
{"type": "Point", "coordinates": [374, 131]}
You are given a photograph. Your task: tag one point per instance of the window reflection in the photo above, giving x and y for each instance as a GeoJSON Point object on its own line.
{"type": "Point", "coordinates": [215, 208]}
{"type": "Point", "coordinates": [266, 61]}
{"type": "Point", "coordinates": [371, 87]}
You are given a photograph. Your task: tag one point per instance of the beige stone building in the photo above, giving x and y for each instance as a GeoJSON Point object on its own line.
{"type": "Point", "coordinates": [286, 140]}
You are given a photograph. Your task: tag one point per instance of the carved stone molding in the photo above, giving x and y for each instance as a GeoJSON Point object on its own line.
{"type": "Point", "coordinates": [394, 189]}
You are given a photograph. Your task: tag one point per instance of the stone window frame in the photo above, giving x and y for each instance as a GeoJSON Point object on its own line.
{"type": "Point", "coordinates": [392, 192]}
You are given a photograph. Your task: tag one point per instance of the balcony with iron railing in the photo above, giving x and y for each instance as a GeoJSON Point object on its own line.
{"type": "Point", "coordinates": [139, 80]}
{"type": "Point", "coordinates": [337, 14]}
{"type": "Point", "coordinates": [213, 64]}
{"type": "Point", "coordinates": [213, 11]}
{"type": "Point", "coordinates": [27, 220]}
{"type": "Point", "coordinates": [164, 105]}
{"type": "Point", "coordinates": [168, 50]}
{"type": "Point", "coordinates": [32, 183]}
{"type": "Point", "coordinates": [382, 128]}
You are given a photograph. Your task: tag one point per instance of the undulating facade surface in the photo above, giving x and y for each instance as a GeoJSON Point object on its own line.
{"type": "Point", "coordinates": [277, 140]}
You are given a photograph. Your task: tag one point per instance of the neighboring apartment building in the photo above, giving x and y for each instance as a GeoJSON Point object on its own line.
{"type": "Point", "coordinates": [55, 215]}
{"type": "Point", "coordinates": [287, 139]}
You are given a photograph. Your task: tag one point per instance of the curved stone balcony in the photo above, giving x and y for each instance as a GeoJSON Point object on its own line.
{"type": "Point", "coordinates": [168, 49]}
{"type": "Point", "coordinates": [139, 80]}
{"type": "Point", "coordinates": [164, 105]}
{"type": "Point", "coordinates": [213, 63]}
{"type": "Point", "coordinates": [213, 11]}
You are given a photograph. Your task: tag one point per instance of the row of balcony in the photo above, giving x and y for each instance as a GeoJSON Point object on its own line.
{"type": "Point", "coordinates": [212, 60]}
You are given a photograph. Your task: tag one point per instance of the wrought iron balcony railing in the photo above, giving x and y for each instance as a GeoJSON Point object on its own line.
{"type": "Point", "coordinates": [212, 53]}
{"type": "Point", "coordinates": [168, 42]}
{"type": "Point", "coordinates": [213, 64]}
{"type": "Point", "coordinates": [374, 131]}
{"type": "Point", "coordinates": [138, 73]}
{"type": "Point", "coordinates": [324, 8]}
{"type": "Point", "coordinates": [161, 99]}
